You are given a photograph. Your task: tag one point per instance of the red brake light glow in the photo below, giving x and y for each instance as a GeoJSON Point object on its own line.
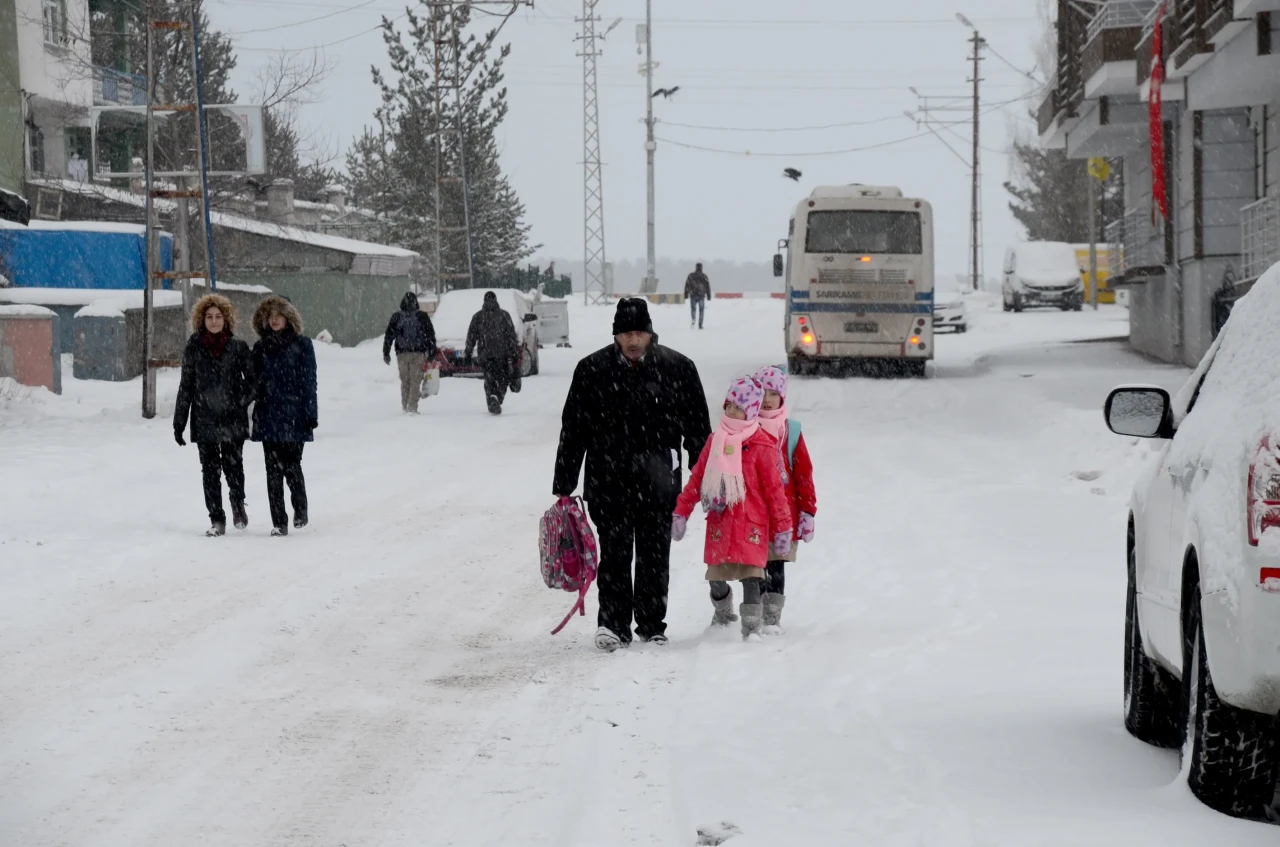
{"type": "Point", "coordinates": [1263, 495]}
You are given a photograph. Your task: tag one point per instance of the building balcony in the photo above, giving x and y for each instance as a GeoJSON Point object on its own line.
{"type": "Point", "coordinates": [1259, 237]}
{"type": "Point", "coordinates": [1138, 247]}
{"type": "Point", "coordinates": [1051, 119]}
{"type": "Point", "coordinates": [1108, 127]}
{"type": "Point", "coordinates": [1189, 47]}
{"type": "Point", "coordinates": [1223, 24]}
{"type": "Point", "coordinates": [114, 88]}
{"type": "Point", "coordinates": [1109, 64]}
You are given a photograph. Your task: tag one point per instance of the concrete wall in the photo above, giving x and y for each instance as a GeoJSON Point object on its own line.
{"type": "Point", "coordinates": [110, 348]}
{"type": "Point", "coordinates": [27, 349]}
{"type": "Point", "coordinates": [353, 308]}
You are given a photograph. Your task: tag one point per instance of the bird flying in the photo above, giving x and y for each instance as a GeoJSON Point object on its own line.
{"type": "Point", "coordinates": [666, 92]}
{"type": "Point", "coordinates": [792, 174]}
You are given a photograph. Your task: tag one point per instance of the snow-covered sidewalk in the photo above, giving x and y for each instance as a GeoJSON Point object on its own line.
{"type": "Point", "coordinates": [950, 673]}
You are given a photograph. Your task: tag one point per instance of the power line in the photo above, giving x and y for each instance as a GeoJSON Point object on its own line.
{"type": "Point", "coordinates": [302, 23]}
{"type": "Point", "coordinates": [782, 128]}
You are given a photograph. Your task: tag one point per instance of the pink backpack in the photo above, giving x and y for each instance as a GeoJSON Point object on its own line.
{"type": "Point", "coordinates": [568, 552]}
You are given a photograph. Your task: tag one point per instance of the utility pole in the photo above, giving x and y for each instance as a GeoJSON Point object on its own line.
{"type": "Point", "coordinates": [651, 279]}
{"type": "Point", "coordinates": [595, 285]}
{"type": "Point", "coordinates": [152, 230]}
{"type": "Point", "coordinates": [975, 208]}
{"type": "Point", "coordinates": [1093, 244]}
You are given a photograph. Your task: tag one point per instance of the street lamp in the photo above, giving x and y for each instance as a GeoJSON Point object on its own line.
{"type": "Point", "coordinates": [962, 19]}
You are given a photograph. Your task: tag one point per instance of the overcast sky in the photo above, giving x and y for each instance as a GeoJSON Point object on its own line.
{"type": "Point", "coordinates": [740, 64]}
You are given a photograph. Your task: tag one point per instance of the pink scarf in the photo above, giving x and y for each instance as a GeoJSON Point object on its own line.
{"type": "Point", "coordinates": [774, 422]}
{"type": "Point", "coordinates": [722, 479]}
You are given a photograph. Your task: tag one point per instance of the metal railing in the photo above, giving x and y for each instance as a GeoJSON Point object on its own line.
{"type": "Point", "coordinates": [1121, 14]}
{"type": "Point", "coordinates": [1136, 242]}
{"type": "Point", "coordinates": [1259, 237]}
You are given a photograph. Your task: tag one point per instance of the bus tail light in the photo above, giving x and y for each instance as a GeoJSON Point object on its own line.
{"type": "Point", "coordinates": [1263, 494]}
{"type": "Point", "coordinates": [807, 338]}
{"type": "Point", "coordinates": [915, 339]}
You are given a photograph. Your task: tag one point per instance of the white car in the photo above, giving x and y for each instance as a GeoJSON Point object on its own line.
{"type": "Point", "coordinates": [948, 305]}
{"type": "Point", "coordinates": [1202, 622]}
{"type": "Point", "coordinates": [1042, 273]}
{"type": "Point", "coordinates": [452, 319]}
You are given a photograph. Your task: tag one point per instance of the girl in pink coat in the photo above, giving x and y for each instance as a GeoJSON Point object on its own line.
{"type": "Point", "coordinates": [738, 480]}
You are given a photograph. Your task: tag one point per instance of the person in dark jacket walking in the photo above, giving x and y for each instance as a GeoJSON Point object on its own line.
{"type": "Point", "coordinates": [214, 394]}
{"type": "Point", "coordinates": [697, 290]}
{"type": "Point", "coordinates": [630, 409]}
{"type": "Point", "coordinates": [415, 338]}
{"type": "Point", "coordinates": [493, 332]}
{"type": "Point", "coordinates": [285, 414]}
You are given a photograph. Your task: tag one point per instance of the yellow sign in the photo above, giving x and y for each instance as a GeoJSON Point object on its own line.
{"type": "Point", "coordinates": [1099, 169]}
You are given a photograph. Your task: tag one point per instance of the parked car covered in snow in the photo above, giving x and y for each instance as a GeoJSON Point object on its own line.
{"type": "Point", "coordinates": [452, 319]}
{"type": "Point", "coordinates": [1042, 273]}
{"type": "Point", "coordinates": [1202, 621]}
{"type": "Point", "coordinates": [948, 305]}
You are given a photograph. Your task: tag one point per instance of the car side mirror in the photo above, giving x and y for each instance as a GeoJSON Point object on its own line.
{"type": "Point", "coordinates": [529, 318]}
{"type": "Point", "coordinates": [1140, 412]}
{"type": "Point", "coordinates": [777, 264]}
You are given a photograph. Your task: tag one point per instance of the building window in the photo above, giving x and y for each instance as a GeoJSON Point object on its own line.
{"type": "Point", "coordinates": [35, 143]}
{"type": "Point", "coordinates": [55, 22]}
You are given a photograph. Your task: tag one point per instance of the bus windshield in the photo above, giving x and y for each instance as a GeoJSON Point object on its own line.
{"type": "Point", "coordinates": [864, 232]}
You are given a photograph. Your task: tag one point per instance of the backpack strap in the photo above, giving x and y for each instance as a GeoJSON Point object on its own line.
{"type": "Point", "coordinates": [793, 438]}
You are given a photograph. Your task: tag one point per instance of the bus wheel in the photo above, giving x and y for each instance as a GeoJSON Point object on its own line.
{"type": "Point", "coordinates": [918, 368]}
{"type": "Point", "coordinates": [797, 366]}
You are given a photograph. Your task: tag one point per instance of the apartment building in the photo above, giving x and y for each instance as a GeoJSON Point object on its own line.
{"type": "Point", "coordinates": [1220, 126]}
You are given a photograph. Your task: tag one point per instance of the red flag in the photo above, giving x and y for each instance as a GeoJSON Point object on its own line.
{"type": "Point", "coordinates": [1159, 186]}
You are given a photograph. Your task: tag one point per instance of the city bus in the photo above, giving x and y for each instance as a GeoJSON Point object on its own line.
{"type": "Point", "coordinates": [859, 280]}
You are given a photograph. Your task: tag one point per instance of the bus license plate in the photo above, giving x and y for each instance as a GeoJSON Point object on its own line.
{"type": "Point", "coordinates": [862, 326]}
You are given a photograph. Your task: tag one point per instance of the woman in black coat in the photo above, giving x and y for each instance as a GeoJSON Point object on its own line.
{"type": "Point", "coordinates": [285, 414]}
{"type": "Point", "coordinates": [214, 393]}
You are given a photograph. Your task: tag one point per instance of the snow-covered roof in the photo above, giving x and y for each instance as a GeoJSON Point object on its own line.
{"type": "Point", "coordinates": [232, 286]}
{"type": "Point", "coordinates": [24, 311]}
{"type": "Point", "coordinates": [81, 226]}
{"type": "Point", "coordinates": [242, 224]}
{"type": "Point", "coordinates": [123, 299]}
{"type": "Point", "coordinates": [100, 309]}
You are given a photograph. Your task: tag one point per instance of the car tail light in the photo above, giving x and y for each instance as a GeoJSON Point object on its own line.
{"type": "Point", "coordinates": [1264, 492]}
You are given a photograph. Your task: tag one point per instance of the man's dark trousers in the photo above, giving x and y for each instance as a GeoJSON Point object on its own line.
{"type": "Point", "coordinates": [646, 531]}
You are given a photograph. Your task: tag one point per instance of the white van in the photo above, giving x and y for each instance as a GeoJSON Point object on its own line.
{"type": "Point", "coordinates": [1042, 273]}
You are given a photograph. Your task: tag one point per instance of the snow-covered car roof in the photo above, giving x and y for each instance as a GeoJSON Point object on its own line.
{"type": "Point", "coordinates": [453, 316]}
{"type": "Point", "coordinates": [1041, 258]}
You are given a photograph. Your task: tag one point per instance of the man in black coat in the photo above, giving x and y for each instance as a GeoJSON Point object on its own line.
{"type": "Point", "coordinates": [494, 333]}
{"type": "Point", "coordinates": [630, 409]}
{"type": "Point", "coordinates": [414, 336]}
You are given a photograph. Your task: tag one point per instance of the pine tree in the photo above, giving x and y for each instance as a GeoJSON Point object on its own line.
{"type": "Point", "coordinates": [393, 170]}
{"type": "Point", "coordinates": [1050, 195]}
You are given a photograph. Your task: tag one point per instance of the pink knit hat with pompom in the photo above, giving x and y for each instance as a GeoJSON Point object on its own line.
{"type": "Point", "coordinates": [772, 378]}
{"type": "Point", "coordinates": [747, 395]}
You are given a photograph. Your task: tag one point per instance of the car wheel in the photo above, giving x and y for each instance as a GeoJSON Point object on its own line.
{"type": "Point", "coordinates": [1004, 304]}
{"type": "Point", "coordinates": [526, 363]}
{"type": "Point", "coordinates": [1228, 755]}
{"type": "Point", "coordinates": [1152, 705]}
{"type": "Point", "coordinates": [1017, 303]}
{"type": "Point", "coordinates": [537, 362]}
{"type": "Point", "coordinates": [962, 328]}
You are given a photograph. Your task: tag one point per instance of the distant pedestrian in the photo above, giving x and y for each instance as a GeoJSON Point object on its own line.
{"type": "Point", "coordinates": [492, 335]}
{"type": "Point", "coordinates": [738, 480]}
{"type": "Point", "coordinates": [414, 336]}
{"type": "Point", "coordinates": [631, 407]}
{"type": "Point", "coordinates": [285, 415]}
{"type": "Point", "coordinates": [214, 393]}
{"type": "Point", "coordinates": [697, 290]}
{"type": "Point", "coordinates": [797, 477]}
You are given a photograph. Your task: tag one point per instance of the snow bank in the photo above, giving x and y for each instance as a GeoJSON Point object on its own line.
{"type": "Point", "coordinates": [24, 311]}
{"type": "Point", "coordinates": [453, 316]}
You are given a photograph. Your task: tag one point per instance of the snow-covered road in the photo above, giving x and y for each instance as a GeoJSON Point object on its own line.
{"type": "Point", "coordinates": [951, 671]}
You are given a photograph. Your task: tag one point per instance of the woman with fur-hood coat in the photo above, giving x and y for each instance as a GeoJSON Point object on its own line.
{"type": "Point", "coordinates": [285, 414]}
{"type": "Point", "coordinates": [214, 395]}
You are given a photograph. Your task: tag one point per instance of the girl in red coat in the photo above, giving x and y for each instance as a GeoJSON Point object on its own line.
{"type": "Point", "coordinates": [738, 480]}
{"type": "Point", "coordinates": [775, 419]}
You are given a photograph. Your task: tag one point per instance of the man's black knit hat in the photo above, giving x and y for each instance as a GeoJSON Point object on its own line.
{"type": "Point", "coordinates": [632, 316]}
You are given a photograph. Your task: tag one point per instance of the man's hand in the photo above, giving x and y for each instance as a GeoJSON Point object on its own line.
{"type": "Point", "coordinates": [177, 436]}
{"type": "Point", "coordinates": [386, 357]}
